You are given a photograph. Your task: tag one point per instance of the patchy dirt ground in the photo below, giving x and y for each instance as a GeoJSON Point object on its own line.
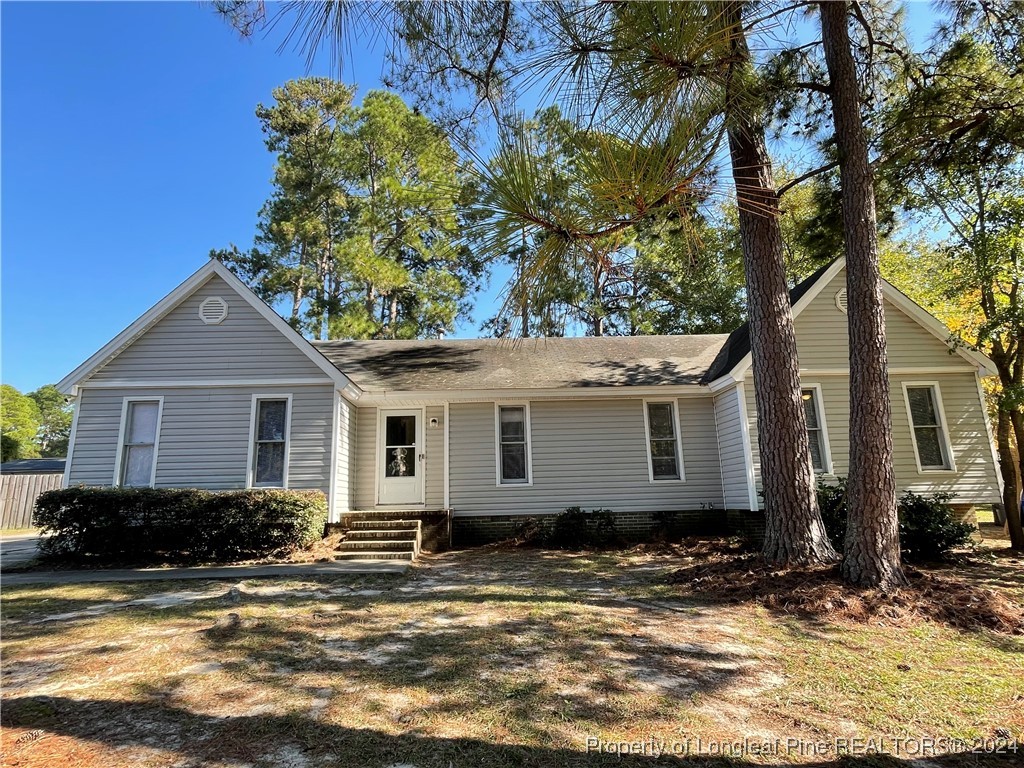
{"type": "Point", "coordinates": [483, 657]}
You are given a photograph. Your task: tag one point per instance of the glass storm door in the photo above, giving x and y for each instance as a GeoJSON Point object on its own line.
{"type": "Point", "coordinates": [400, 458]}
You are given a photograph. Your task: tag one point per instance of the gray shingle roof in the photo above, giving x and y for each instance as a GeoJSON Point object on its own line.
{"type": "Point", "coordinates": [552, 363]}
{"type": "Point", "coordinates": [32, 467]}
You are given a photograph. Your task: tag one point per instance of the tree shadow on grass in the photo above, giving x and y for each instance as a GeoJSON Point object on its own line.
{"type": "Point", "coordinates": [197, 739]}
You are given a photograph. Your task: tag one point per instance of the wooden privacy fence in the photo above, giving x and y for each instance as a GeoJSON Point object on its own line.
{"type": "Point", "coordinates": [18, 494]}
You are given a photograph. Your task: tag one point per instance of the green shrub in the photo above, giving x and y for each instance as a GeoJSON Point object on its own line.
{"type": "Point", "coordinates": [178, 524]}
{"type": "Point", "coordinates": [928, 526]}
{"type": "Point", "coordinates": [832, 503]}
{"type": "Point", "coordinates": [577, 529]}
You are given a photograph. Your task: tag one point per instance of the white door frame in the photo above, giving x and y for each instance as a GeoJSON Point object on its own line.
{"type": "Point", "coordinates": [421, 451]}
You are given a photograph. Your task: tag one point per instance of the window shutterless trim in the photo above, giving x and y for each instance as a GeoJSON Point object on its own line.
{"type": "Point", "coordinates": [528, 433]}
{"type": "Point", "coordinates": [826, 448]}
{"type": "Point", "coordinates": [945, 445]}
{"type": "Point", "coordinates": [677, 432]}
{"type": "Point", "coordinates": [250, 471]}
{"type": "Point", "coordinates": [119, 457]}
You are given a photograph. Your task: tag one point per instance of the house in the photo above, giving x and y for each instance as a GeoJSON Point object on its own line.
{"type": "Point", "coordinates": [212, 389]}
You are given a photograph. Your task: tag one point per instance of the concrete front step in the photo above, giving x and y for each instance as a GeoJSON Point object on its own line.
{"type": "Point", "coordinates": [381, 555]}
{"type": "Point", "coordinates": [381, 525]}
{"type": "Point", "coordinates": [347, 518]}
{"type": "Point", "coordinates": [375, 545]}
{"type": "Point", "coordinates": [382, 534]}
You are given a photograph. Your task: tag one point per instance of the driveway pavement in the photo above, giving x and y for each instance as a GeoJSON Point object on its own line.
{"type": "Point", "coordinates": [18, 549]}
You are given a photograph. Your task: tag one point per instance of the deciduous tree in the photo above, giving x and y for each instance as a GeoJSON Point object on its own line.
{"type": "Point", "coordinates": [19, 424]}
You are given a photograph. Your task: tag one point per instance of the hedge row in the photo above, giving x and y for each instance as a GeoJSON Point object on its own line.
{"type": "Point", "coordinates": [178, 524]}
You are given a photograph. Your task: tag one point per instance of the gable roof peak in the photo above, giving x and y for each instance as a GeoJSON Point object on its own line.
{"type": "Point", "coordinates": [69, 384]}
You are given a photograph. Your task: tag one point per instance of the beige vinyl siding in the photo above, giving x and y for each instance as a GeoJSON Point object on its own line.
{"type": "Point", "coordinates": [434, 472]}
{"type": "Point", "coordinates": [204, 436]}
{"type": "Point", "coordinates": [365, 491]}
{"type": "Point", "coordinates": [591, 453]}
{"type": "Point", "coordinates": [755, 450]}
{"type": "Point", "coordinates": [822, 337]}
{"type": "Point", "coordinates": [821, 333]}
{"type": "Point", "coordinates": [729, 417]}
{"type": "Point", "coordinates": [181, 347]}
{"type": "Point", "coordinates": [974, 481]}
{"type": "Point", "coordinates": [344, 460]}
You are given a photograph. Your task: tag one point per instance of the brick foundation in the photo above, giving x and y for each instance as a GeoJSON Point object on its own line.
{"type": "Point", "coordinates": [750, 524]}
{"type": "Point", "coordinates": [469, 531]}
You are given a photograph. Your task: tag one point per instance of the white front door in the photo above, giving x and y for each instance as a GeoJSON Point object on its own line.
{"type": "Point", "coordinates": [400, 459]}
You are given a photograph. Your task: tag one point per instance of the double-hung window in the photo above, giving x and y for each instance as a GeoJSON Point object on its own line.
{"type": "Point", "coordinates": [815, 430]}
{"type": "Point", "coordinates": [931, 442]}
{"type": "Point", "coordinates": [663, 448]}
{"type": "Point", "coordinates": [270, 442]}
{"type": "Point", "coordinates": [513, 423]}
{"type": "Point", "coordinates": [140, 426]}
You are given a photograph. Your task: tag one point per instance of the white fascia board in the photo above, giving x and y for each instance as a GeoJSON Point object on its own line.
{"type": "Point", "coordinates": [70, 383]}
{"type": "Point", "coordinates": [570, 393]}
{"type": "Point", "coordinates": [724, 382]}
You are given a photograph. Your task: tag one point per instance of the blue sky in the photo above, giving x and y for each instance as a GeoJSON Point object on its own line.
{"type": "Point", "coordinates": [130, 149]}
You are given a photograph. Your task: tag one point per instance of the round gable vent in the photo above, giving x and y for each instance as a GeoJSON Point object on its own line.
{"type": "Point", "coordinates": [841, 300]}
{"type": "Point", "coordinates": [213, 310]}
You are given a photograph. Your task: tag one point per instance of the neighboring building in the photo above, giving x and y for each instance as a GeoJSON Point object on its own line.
{"type": "Point", "coordinates": [21, 482]}
{"type": "Point", "coordinates": [212, 389]}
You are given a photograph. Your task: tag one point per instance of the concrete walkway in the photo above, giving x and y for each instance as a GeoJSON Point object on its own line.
{"type": "Point", "coordinates": [236, 572]}
{"type": "Point", "coordinates": [17, 549]}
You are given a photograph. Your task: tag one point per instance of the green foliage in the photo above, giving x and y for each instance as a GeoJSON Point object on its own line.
{"type": "Point", "coordinates": [928, 526]}
{"type": "Point", "coordinates": [177, 524]}
{"type": "Point", "coordinates": [361, 235]}
{"type": "Point", "coordinates": [55, 421]}
{"type": "Point", "coordinates": [576, 528]}
{"type": "Point", "coordinates": [19, 424]}
{"type": "Point", "coordinates": [832, 503]}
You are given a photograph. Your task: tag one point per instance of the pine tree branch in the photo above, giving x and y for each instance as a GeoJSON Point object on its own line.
{"type": "Point", "coordinates": [805, 176]}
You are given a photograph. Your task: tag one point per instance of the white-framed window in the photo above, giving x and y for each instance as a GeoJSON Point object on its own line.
{"type": "Point", "coordinates": [512, 444]}
{"type": "Point", "coordinates": [817, 434]}
{"type": "Point", "coordinates": [138, 442]}
{"type": "Point", "coordinates": [664, 447]}
{"type": "Point", "coordinates": [932, 448]}
{"type": "Point", "coordinates": [268, 444]}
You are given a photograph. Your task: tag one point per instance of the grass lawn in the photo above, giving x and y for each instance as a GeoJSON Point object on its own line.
{"type": "Point", "coordinates": [479, 658]}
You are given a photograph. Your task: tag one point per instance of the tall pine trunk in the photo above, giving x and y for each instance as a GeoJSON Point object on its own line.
{"type": "Point", "coordinates": [1011, 474]}
{"type": "Point", "coordinates": [872, 547]}
{"type": "Point", "coordinates": [1013, 518]}
{"type": "Point", "coordinates": [794, 532]}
